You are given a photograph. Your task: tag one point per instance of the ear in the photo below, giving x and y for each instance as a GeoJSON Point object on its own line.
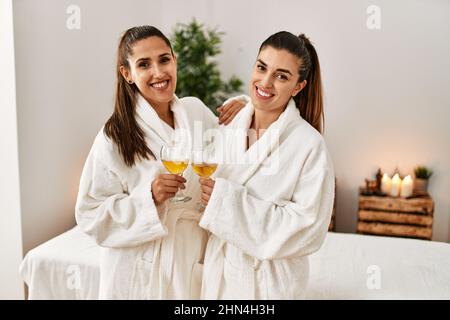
{"type": "Point", "coordinates": [126, 74]}
{"type": "Point", "coordinates": [298, 87]}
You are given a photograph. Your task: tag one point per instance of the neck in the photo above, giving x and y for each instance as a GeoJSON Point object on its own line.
{"type": "Point", "coordinates": [263, 119]}
{"type": "Point", "coordinates": [260, 122]}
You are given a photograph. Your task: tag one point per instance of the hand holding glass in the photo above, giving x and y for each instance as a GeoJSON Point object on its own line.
{"type": "Point", "coordinates": [176, 160]}
{"type": "Point", "coordinates": [204, 164]}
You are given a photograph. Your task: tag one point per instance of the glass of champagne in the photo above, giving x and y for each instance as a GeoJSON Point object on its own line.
{"type": "Point", "coordinates": [204, 164]}
{"type": "Point", "coordinates": [176, 160]}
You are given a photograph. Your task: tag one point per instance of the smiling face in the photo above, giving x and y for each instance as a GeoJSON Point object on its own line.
{"type": "Point", "coordinates": [153, 68]}
{"type": "Point", "coordinates": [275, 79]}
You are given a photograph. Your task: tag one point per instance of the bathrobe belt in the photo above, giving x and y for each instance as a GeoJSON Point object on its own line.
{"type": "Point", "coordinates": [214, 283]}
{"type": "Point", "coordinates": [162, 269]}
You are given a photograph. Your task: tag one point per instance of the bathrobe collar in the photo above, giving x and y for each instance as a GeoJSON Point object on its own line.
{"type": "Point", "coordinates": [158, 131]}
{"type": "Point", "coordinates": [251, 159]}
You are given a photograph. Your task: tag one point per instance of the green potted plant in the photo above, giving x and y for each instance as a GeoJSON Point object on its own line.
{"type": "Point", "coordinates": [422, 175]}
{"type": "Point", "coordinates": [198, 73]}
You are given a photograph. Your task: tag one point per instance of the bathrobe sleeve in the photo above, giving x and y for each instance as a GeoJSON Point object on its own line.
{"type": "Point", "coordinates": [200, 112]}
{"type": "Point", "coordinates": [209, 117]}
{"type": "Point", "coordinates": [210, 120]}
{"type": "Point", "coordinates": [276, 230]}
{"type": "Point", "coordinates": [105, 210]}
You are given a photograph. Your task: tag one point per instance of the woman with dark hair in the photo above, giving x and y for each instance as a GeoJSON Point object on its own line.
{"type": "Point", "coordinates": [270, 207]}
{"type": "Point", "coordinates": [151, 249]}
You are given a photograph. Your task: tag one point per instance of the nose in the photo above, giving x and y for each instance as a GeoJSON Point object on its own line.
{"type": "Point", "coordinates": [266, 81]}
{"type": "Point", "coordinates": [157, 71]}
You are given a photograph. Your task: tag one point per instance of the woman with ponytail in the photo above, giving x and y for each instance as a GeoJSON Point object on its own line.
{"type": "Point", "coordinates": [151, 249]}
{"type": "Point", "coordinates": [269, 207]}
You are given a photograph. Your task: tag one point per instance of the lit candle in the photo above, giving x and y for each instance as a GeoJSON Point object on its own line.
{"type": "Point", "coordinates": [386, 184]}
{"type": "Point", "coordinates": [407, 187]}
{"type": "Point", "coordinates": [395, 187]}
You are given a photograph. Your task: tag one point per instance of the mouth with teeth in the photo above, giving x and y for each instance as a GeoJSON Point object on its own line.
{"type": "Point", "coordinates": [161, 85]}
{"type": "Point", "coordinates": [262, 94]}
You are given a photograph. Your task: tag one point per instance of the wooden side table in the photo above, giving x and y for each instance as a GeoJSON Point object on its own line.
{"type": "Point", "coordinates": [387, 216]}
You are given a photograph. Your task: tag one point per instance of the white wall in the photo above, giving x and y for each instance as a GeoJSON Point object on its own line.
{"type": "Point", "coordinates": [386, 90]}
{"type": "Point", "coordinates": [11, 286]}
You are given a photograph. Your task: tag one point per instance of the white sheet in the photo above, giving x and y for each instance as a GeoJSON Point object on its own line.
{"type": "Point", "coordinates": [66, 267]}
{"type": "Point", "coordinates": [408, 268]}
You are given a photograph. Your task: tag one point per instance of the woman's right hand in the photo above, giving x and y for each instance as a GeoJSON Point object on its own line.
{"type": "Point", "coordinates": [228, 111]}
{"type": "Point", "coordinates": [165, 186]}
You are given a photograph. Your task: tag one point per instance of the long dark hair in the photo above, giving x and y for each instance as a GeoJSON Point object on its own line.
{"type": "Point", "coordinates": [309, 101]}
{"type": "Point", "coordinates": [122, 127]}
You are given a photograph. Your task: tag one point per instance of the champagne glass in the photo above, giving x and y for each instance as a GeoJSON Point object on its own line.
{"type": "Point", "coordinates": [176, 160]}
{"type": "Point", "coordinates": [204, 164]}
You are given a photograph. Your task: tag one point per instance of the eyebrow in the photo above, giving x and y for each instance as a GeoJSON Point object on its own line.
{"type": "Point", "coordinates": [148, 59]}
{"type": "Point", "coordinates": [281, 70]}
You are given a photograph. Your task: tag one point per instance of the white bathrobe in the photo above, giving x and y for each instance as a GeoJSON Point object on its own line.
{"type": "Point", "coordinates": [148, 252]}
{"type": "Point", "coordinates": [268, 214]}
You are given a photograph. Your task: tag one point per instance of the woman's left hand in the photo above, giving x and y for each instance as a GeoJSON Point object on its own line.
{"type": "Point", "coordinates": [207, 187]}
{"type": "Point", "coordinates": [228, 111]}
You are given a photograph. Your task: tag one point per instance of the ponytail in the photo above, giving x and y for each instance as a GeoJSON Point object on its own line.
{"type": "Point", "coordinates": [309, 101]}
{"type": "Point", "coordinates": [122, 127]}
